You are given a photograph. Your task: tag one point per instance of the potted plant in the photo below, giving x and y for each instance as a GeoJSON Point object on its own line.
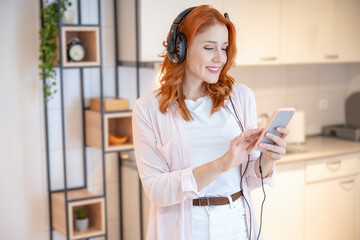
{"type": "Point", "coordinates": [82, 222]}
{"type": "Point", "coordinates": [48, 46]}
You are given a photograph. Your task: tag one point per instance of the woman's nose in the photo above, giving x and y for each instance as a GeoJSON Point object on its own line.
{"type": "Point", "coordinates": [219, 56]}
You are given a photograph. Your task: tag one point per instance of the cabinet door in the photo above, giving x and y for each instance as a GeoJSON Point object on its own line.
{"type": "Point", "coordinates": [130, 203]}
{"type": "Point", "coordinates": [258, 27]}
{"type": "Point", "coordinates": [347, 30]}
{"type": "Point", "coordinates": [330, 209]}
{"type": "Point", "coordinates": [130, 183]}
{"type": "Point", "coordinates": [307, 31]}
{"type": "Point", "coordinates": [156, 18]}
{"type": "Point", "coordinates": [283, 213]}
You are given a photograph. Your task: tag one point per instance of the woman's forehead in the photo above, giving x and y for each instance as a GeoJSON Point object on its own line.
{"type": "Point", "coordinates": [217, 33]}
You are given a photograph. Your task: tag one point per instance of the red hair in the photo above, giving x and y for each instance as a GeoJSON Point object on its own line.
{"type": "Point", "coordinates": [172, 74]}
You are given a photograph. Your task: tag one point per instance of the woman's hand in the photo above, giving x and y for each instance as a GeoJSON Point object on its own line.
{"type": "Point", "coordinates": [240, 148]}
{"type": "Point", "coordinates": [273, 152]}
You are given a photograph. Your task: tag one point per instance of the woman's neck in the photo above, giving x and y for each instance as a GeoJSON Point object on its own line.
{"type": "Point", "coordinates": [193, 90]}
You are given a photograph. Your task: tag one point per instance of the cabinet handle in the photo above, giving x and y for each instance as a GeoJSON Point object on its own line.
{"type": "Point", "coordinates": [347, 182]}
{"type": "Point", "coordinates": [331, 56]}
{"type": "Point", "coordinates": [335, 165]}
{"type": "Point", "coordinates": [268, 58]}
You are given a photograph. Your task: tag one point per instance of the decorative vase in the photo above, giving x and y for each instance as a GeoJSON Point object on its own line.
{"type": "Point", "coordinates": [82, 225]}
{"type": "Point", "coordinates": [68, 17]}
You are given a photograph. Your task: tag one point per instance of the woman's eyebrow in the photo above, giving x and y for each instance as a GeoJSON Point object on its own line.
{"type": "Point", "coordinates": [208, 41]}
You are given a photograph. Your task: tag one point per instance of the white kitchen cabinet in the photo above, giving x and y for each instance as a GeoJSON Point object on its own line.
{"type": "Point", "coordinates": [331, 200]}
{"type": "Point", "coordinates": [268, 32]}
{"type": "Point", "coordinates": [330, 209]}
{"type": "Point", "coordinates": [155, 19]}
{"type": "Point", "coordinates": [283, 213]}
{"type": "Point", "coordinates": [347, 30]}
{"type": "Point", "coordinates": [307, 31]}
{"type": "Point", "coordinates": [320, 31]}
{"type": "Point", "coordinates": [131, 203]}
{"type": "Point", "coordinates": [257, 25]}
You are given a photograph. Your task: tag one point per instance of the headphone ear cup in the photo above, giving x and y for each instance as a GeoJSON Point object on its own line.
{"type": "Point", "coordinates": [180, 47]}
{"type": "Point", "coordinates": [172, 57]}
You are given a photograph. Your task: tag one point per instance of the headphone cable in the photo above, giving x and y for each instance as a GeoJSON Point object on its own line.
{"type": "Point", "coordinates": [262, 185]}
{"type": "Point", "coordinates": [247, 164]}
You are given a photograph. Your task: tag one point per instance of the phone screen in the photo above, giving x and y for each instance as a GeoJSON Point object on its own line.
{"type": "Point", "coordinates": [280, 118]}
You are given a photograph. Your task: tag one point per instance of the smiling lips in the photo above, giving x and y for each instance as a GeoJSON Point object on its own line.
{"type": "Point", "coordinates": [213, 69]}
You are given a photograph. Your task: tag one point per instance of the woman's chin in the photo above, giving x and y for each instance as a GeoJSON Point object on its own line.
{"type": "Point", "coordinates": [212, 81]}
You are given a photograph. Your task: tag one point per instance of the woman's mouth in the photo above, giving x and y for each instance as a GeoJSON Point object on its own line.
{"type": "Point", "coordinates": [213, 69]}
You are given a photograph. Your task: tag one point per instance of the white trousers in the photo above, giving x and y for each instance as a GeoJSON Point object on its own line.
{"type": "Point", "coordinates": [225, 222]}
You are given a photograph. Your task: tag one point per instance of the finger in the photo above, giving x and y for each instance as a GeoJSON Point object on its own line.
{"type": "Point", "coordinates": [278, 140]}
{"type": "Point", "coordinates": [271, 155]}
{"type": "Point", "coordinates": [284, 131]}
{"type": "Point", "coordinates": [251, 132]}
{"type": "Point", "coordinates": [273, 148]}
{"type": "Point", "coordinates": [251, 145]}
{"type": "Point", "coordinates": [252, 137]}
{"type": "Point", "coordinates": [247, 136]}
{"type": "Point", "coordinates": [248, 142]}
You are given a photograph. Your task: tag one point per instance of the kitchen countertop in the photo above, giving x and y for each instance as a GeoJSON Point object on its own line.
{"type": "Point", "coordinates": [317, 147]}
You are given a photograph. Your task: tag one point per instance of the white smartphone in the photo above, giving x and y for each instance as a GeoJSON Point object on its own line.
{"type": "Point", "coordinates": [280, 118]}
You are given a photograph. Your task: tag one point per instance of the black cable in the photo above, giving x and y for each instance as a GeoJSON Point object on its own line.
{"type": "Point", "coordinates": [247, 164]}
{"type": "Point", "coordinates": [262, 185]}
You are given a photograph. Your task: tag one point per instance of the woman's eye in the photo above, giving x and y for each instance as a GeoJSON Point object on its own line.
{"type": "Point", "coordinates": [208, 48]}
{"type": "Point", "coordinates": [224, 49]}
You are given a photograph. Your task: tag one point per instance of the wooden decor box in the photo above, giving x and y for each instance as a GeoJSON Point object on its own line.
{"type": "Point", "coordinates": [94, 208]}
{"type": "Point", "coordinates": [117, 124]}
{"type": "Point", "coordinates": [111, 104]}
{"type": "Point", "coordinates": [89, 38]}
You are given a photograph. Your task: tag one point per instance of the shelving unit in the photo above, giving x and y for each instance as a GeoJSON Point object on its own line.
{"type": "Point", "coordinates": [64, 202]}
{"type": "Point", "coordinates": [97, 124]}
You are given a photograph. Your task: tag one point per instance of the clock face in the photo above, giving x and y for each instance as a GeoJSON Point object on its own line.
{"type": "Point", "coordinates": [76, 52]}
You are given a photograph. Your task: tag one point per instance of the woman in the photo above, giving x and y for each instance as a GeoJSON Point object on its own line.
{"type": "Point", "coordinates": [188, 137]}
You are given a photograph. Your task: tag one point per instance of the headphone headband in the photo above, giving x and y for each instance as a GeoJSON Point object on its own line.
{"type": "Point", "coordinates": [176, 42]}
{"type": "Point", "coordinates": [182, 15]}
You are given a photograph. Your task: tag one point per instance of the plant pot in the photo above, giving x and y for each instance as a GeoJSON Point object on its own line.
{"type": "Point", "coordinates": [68, 17]}
{"type": "Point", "coordinates": [82, 225]}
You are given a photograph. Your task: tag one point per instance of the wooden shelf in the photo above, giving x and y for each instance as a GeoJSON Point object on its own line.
{"type": "Point", "coordinates": [95, 212]}
{"type": "Point", "coordinates": [89, 38]}
{"type": "Point", "coordinates": [118, 124]}
{"type": "Point", "coordinates": [111, 104]}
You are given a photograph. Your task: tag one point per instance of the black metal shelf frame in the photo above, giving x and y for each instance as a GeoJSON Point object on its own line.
{"type": "Point", "coordinates": [81, 76]}
{"type": "Point", "coordinates": [137, 64]}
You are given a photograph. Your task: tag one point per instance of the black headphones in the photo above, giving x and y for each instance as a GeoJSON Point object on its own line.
{"type": "Point", "coordinates": [176, 42]}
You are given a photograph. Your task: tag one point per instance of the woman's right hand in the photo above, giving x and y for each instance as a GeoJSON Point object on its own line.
{"type": "Point", "coordinates": [240, 148]}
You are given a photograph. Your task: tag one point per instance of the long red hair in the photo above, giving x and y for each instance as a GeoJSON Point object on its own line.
{"type": "Point", "coordinates": [172, 74]}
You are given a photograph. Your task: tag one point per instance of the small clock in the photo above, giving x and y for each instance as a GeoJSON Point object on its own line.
{"type": "Point", "coordinates": [75, 50]}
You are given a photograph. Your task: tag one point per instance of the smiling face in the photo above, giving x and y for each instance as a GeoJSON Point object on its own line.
{"type": "Point", "coordinates": [207, 55]}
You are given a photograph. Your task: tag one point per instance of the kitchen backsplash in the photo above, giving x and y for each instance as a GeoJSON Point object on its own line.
{"type": "Point", "coordinates": [318, 89]}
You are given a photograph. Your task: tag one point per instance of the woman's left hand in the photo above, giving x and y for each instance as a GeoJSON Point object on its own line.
{"type": "Point", "coordinates": [275, 151]}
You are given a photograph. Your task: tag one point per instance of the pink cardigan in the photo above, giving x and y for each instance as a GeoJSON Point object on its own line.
{"type": "Point", "coordinates": [162, 153]}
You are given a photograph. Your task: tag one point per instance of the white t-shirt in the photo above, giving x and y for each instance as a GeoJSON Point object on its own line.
{"type": "Point", "coordinates": [210, 138]}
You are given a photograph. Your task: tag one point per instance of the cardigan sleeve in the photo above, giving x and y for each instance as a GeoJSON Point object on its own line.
{"type": "Point", "coordinates": [162, 186]}
{"type": "Point", "coordinates": [253, 181]}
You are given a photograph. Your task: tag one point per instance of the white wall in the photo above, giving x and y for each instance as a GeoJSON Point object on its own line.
{"type": "Point", "coordinates": [22, 202]}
